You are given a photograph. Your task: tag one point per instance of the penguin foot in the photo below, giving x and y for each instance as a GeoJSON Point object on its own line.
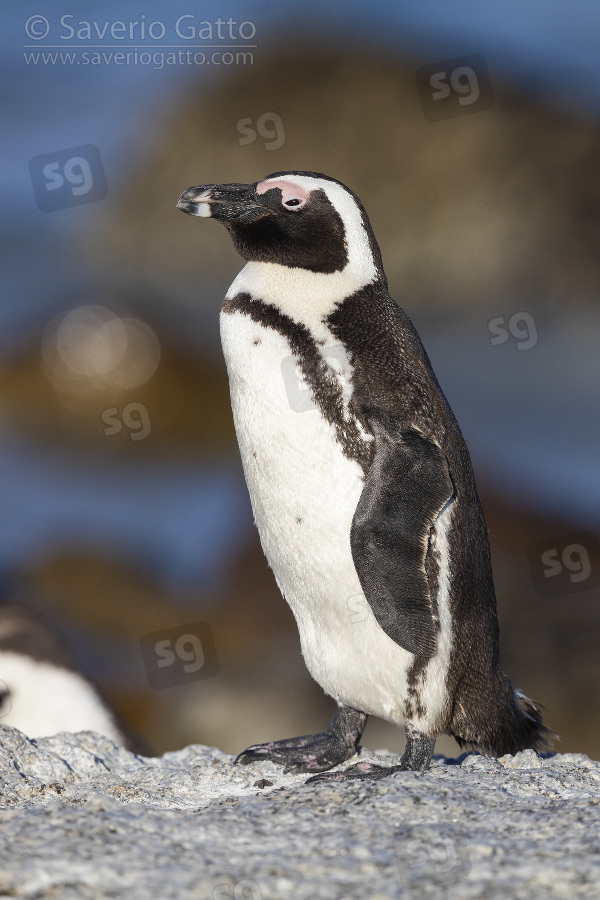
{"type": "Point", "coordinates": [313, 752]}
{"type": "Point", "coordinates": [416, 758]}
{"type": "Point", "coordinates": [362, 771]}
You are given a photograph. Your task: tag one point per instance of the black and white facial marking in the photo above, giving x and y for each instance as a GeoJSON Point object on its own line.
{"type": "Point", "coordinates": [304, 231]}
{"type": "Point", "coordinates": [296, 219]}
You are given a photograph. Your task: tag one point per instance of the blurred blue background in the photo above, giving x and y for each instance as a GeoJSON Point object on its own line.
{"type": "Point", "coordinates": [125, 508]}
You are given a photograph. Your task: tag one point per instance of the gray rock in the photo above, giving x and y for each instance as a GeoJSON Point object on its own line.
{"type": "Point", "coordinates": [526, 759]}
{"type": "Point", "coordinates": [84, 818]}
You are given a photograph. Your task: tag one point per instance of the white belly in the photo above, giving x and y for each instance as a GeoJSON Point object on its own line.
{"type": "Point", "coordinates": [304, 493]}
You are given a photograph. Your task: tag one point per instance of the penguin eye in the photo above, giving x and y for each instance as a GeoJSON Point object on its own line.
{"type": "Point", "coordinates": [294, 203]}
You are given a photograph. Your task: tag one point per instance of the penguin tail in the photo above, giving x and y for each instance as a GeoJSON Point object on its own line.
{"type": "Point", "coordinates": [514, 723]}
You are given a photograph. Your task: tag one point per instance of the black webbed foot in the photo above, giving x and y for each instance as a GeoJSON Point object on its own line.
{"type": "Point", "coordinates": [313, 752]}
{"type": "Point", "coordinates": [362, 771]}
{"type": "Point", "coordinates": [416, 758]}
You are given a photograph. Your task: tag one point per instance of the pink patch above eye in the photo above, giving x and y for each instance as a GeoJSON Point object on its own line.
{"type": "Point", "coordinates": [289, 190]}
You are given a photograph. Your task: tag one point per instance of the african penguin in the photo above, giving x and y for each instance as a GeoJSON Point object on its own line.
{"type": "Point", "coordinates": [365, 494]}
{"type": "Point", "coordinates": [41, 690]}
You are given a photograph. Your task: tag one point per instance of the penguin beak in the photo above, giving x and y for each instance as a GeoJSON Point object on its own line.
{"type": "Point", "coordinates": [228, 202]}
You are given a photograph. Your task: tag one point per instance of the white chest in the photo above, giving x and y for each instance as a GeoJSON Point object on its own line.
{"type": "Point", "coordinates": [303, 489]}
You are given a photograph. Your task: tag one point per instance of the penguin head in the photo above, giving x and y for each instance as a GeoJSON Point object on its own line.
{"type": "Point", "coordinates": [296, 219]}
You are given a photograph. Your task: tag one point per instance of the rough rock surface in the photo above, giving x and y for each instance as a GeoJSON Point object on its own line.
{"type": "Point", "coordinates": [83, 818]}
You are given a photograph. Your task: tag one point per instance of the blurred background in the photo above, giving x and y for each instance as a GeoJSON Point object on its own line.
{"type": "Point", "coordinates": [471, 132]}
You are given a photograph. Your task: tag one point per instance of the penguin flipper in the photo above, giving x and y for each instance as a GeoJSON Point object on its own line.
{"type": "Point", "coordinates": [406, 488]}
